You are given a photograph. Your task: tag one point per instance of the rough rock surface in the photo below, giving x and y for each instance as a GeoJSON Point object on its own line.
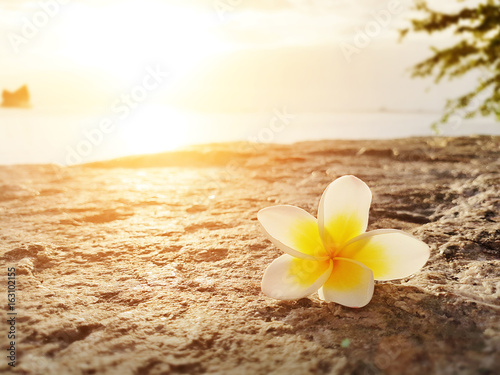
{"type": "Point", "coordinates": [152, 264]}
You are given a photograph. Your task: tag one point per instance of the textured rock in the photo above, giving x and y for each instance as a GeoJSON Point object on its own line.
{"type": "Point", "coordinates": [128, 269]}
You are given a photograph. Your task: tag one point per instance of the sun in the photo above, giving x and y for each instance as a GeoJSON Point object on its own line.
{"type": "Point", "coordinates": [153, 128]}
{"type": "Point", "coordinates": [120, 38]}
{"type": "Point", "coordinates": [122, 42]}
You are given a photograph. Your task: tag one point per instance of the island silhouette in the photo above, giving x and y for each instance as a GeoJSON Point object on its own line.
{"type": "Point", "coordinates": [16, 99]}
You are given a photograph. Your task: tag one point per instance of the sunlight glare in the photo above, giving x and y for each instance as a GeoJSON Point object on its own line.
{"type": "Point", "coordinates": [121, 38]}
{"type": "Point", "coordinates": [153, 129]}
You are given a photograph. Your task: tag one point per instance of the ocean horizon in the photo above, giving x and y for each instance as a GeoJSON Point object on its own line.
{"type": "Point", "coordinates": [67, 137]}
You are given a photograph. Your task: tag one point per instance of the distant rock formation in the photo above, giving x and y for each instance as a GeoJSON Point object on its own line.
{"type": "Point", "coordinates": [16, 99]}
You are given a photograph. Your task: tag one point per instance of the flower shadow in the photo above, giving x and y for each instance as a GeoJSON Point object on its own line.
{"type": "Point", "coordinates": [403, 327]}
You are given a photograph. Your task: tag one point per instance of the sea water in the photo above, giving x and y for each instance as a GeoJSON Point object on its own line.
{"type": "Point", "coordinates": [66, 136]}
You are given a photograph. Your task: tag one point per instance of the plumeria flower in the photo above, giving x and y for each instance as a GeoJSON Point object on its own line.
{"type": "Point", "coordinates": [333, 255]}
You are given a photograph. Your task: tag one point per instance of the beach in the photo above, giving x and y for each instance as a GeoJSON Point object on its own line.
{"type": "Point", "coordinates": [152, 264]}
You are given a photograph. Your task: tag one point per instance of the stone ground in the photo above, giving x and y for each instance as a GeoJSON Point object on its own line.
{"type": "Point", "coordinates": [152, 264]}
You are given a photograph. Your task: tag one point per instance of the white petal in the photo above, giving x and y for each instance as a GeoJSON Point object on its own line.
{"type": "Point", "coordinates": [293, 230]}
{"type": "Point", "coordinates": [389, 253]}
{"type": "Point", "coordinates": [343, 211]}
{"type": "Point", "coordinates": [350, 284]}
{"type": "Point", "coordinates": [293, 278]}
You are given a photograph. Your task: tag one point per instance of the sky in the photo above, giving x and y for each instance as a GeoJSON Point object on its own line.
{"type": "Point", "coordinates": [220, 55]}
